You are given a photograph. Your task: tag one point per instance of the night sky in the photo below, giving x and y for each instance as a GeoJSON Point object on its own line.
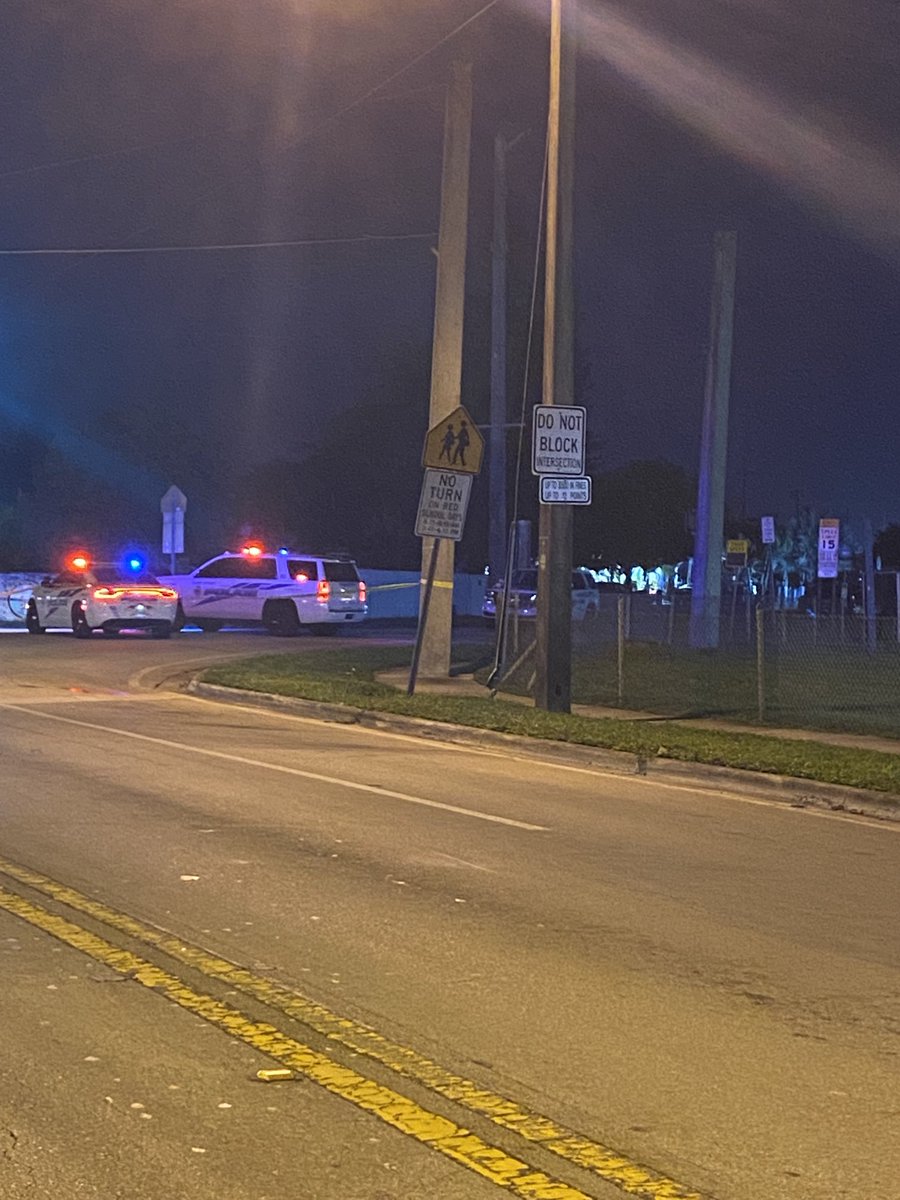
{"type": "Point", "coordinates": [210, 121]}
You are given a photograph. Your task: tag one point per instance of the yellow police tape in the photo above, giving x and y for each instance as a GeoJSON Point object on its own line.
{"type": "Point", "coordinates": [632, 1178]}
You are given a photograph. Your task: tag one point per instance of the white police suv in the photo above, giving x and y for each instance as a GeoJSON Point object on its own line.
{"type": "Point", "coordinates": [87, 596]}
{"type": "Point", "coordinates": [286, 591]}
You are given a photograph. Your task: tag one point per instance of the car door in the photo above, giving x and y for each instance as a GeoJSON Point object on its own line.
{"type": "Point", "coordinates": [54, 599]}
{"type": "Point", "coordinates": [208, 592]}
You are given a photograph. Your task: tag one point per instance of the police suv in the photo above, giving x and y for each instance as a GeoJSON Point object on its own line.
{"type": "Point", "coordinates": [87, 596]}
{"type": "Point", "coordinates": [285, 591]}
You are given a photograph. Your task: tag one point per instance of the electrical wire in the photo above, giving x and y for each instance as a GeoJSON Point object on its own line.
{"type": "Point", "coordinates": [327, 121]}
{"type": "Point", "coordinates": [502, 618]}
{"type": "Point", "coordinates": [149, 147]}
{"type": "Point", "coordinates": [360, 239]}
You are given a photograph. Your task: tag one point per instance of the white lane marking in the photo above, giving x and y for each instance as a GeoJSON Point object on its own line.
{"type": "Point", "coordinates": [295, 771]}
{"type": "Point", "coordinates": [629, 778]}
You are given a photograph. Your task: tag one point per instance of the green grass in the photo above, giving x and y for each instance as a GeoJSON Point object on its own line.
{"type": "Point", "coordinates": [346, 676]}
{"type": "Point", "coordinates": [819, 688]}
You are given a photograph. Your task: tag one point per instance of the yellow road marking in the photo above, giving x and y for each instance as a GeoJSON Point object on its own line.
{"type": "Point", "coordinates": [395, 1109]}
{"type": "Point", "coordinates": [614, 1168]}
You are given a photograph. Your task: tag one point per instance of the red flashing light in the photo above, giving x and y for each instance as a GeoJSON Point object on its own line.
{"type": "Point", "coordinates": [78, 561]}
{"type": "Point", "coordinates": [252, 550]}
{"type": "Point", "coordinates": [300, 577]}
{"type": "Point", "coordinates": [323, 590]}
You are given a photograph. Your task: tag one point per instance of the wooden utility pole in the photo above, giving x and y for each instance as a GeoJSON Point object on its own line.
{"type": "Point", "coordinates": [553, 650]}
{"type": "Point", "coordinates": [706, 577]}
{"type": "Point", "coordinates": [498, 531]}
{"type": "Point", "coordinates": [446, 360]}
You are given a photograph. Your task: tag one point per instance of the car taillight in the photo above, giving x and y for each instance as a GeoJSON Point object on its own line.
{"type": "Point", "coordinates": [323, 590]}
{"type": "Point", "coordinates": [116, 593]}
{"type": "Point", "coordinates": [362, 592]}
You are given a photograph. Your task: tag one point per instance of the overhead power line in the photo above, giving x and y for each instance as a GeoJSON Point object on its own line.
{"type": "Point", "coordinates": [359, 239]}
{"type": "Point", "coordinates": [150, 147]}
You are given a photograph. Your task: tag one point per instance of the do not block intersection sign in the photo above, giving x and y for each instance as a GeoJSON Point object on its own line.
{"type": "Point", "coordinates": [558, 439]}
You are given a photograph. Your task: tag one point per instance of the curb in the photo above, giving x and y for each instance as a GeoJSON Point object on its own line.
{"type": "Point", "coordinates": [797, 793]}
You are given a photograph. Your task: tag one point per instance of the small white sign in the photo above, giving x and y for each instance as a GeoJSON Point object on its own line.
{"type": "Point", "coordinates": [768, 530]}
{"type": "Point", "coordinates": [173, 532]}
{"type": "Point", "coordinates": [829, 547]}
{"type": "Point", "coordinates": [443, 504]}
{"type": "Point", "coordinates": [565, 491]}
{"type": "Point", "coordinates": [557, 439]}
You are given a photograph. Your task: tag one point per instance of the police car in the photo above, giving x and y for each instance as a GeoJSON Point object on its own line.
{"type": "Point", "coordinates": [285, 591]}
{"type": "Point", "coordinates": [87, 596]}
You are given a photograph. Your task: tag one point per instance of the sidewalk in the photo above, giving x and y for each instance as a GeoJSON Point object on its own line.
{"type": "Point", "coordinates": [466, 685]}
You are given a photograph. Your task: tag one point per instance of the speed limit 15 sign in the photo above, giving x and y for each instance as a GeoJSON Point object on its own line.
{"type": "Point", "coordinates": [829, 547]}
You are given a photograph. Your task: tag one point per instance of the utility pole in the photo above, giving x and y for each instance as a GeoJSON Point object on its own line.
{"type": "Point", "coordinates": [706, 578]}
{"type": "Point", "coordinates": [553, 650]}
{"type": "Point", "coordinates": [498, 531]}
{"type": "Point", "coordinates": [446, 359]}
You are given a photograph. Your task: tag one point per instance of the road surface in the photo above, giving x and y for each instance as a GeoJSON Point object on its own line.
{"type": "Point", "coordinates": [485, 974]}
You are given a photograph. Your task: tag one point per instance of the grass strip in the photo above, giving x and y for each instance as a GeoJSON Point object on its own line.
{"type": "Point", "coordinates": [347, 676]}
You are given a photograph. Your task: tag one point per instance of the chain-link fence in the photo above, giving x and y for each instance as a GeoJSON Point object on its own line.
{"type": "Point", "coordinates": [831, 671]}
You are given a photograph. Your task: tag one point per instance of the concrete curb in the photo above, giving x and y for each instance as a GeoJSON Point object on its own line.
{"type": "Point", "coordinates": [798, 793]}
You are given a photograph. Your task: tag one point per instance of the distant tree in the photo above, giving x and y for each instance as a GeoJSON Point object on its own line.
{"type": "Point", "coordinates": [638, 516]}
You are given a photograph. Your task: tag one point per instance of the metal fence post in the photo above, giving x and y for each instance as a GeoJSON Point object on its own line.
{"type": "Point", "coordinates": [760, 664]}
{"type": "Point", "coordinates": [620, 646]}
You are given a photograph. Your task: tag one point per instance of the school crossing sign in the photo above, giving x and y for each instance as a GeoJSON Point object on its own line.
{"type": "Point", "coordinates": [558, 439]}
{"type": "Point", "coordinates": [454, 444]}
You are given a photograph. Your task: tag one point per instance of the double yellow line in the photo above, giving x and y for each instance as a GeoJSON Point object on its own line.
{"type": "Point", "coordinates": [441, 1134]}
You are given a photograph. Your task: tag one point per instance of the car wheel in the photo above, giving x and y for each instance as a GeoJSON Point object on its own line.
{"type": "Point", "coordinates": [80, 626]}
{"type": "Point", "coordinates": [161, 631]}
{"type": "Point", "coordinates": [180, 621]}
{"type": "Point", "coordinates": [32, 619]}
{"type": "Point", "coordinates": [280, 618]}
{"type": "Point", "coordinates": [208, 626]}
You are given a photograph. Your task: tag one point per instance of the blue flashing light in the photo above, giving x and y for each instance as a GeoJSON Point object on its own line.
{"type": "Point", "coordinates": [283, 550]}
{"type": "Point", "coordinates": [135, 563]}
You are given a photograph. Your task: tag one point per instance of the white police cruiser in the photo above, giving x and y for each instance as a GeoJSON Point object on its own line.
{"type": "Point", "coordinates": [87, 596]}
{"type": "Point", "coordinates": [285, 591]}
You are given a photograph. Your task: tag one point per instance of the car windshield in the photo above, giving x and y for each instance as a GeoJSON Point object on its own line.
{"type": "Point", "coordinates": [525, 581]}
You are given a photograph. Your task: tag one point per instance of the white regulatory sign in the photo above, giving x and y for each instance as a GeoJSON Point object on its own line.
{"type": "Point", "coordinates": [565, 491]}
{"type": "Point", "coordinates": [767, 525]}
{"type": "Point", "coordinates": [443, 504]}
{"type": "Point", "coordinates": [829, 547]}
{"type": "Point", "coordinates": [557, 442]}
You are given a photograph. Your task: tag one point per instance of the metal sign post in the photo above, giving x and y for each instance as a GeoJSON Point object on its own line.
{"type": "Point", "coordinates": [443, 504]}
{"type": "Point", "coordinates": [173, 506]}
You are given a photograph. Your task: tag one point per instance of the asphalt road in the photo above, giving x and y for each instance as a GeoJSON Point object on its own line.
{"type": "Point", "coordinates": [465, 958]}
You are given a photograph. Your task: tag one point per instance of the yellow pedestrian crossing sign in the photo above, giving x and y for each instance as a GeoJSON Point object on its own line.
{"type": "Point", "coordinates": [454, 443]}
